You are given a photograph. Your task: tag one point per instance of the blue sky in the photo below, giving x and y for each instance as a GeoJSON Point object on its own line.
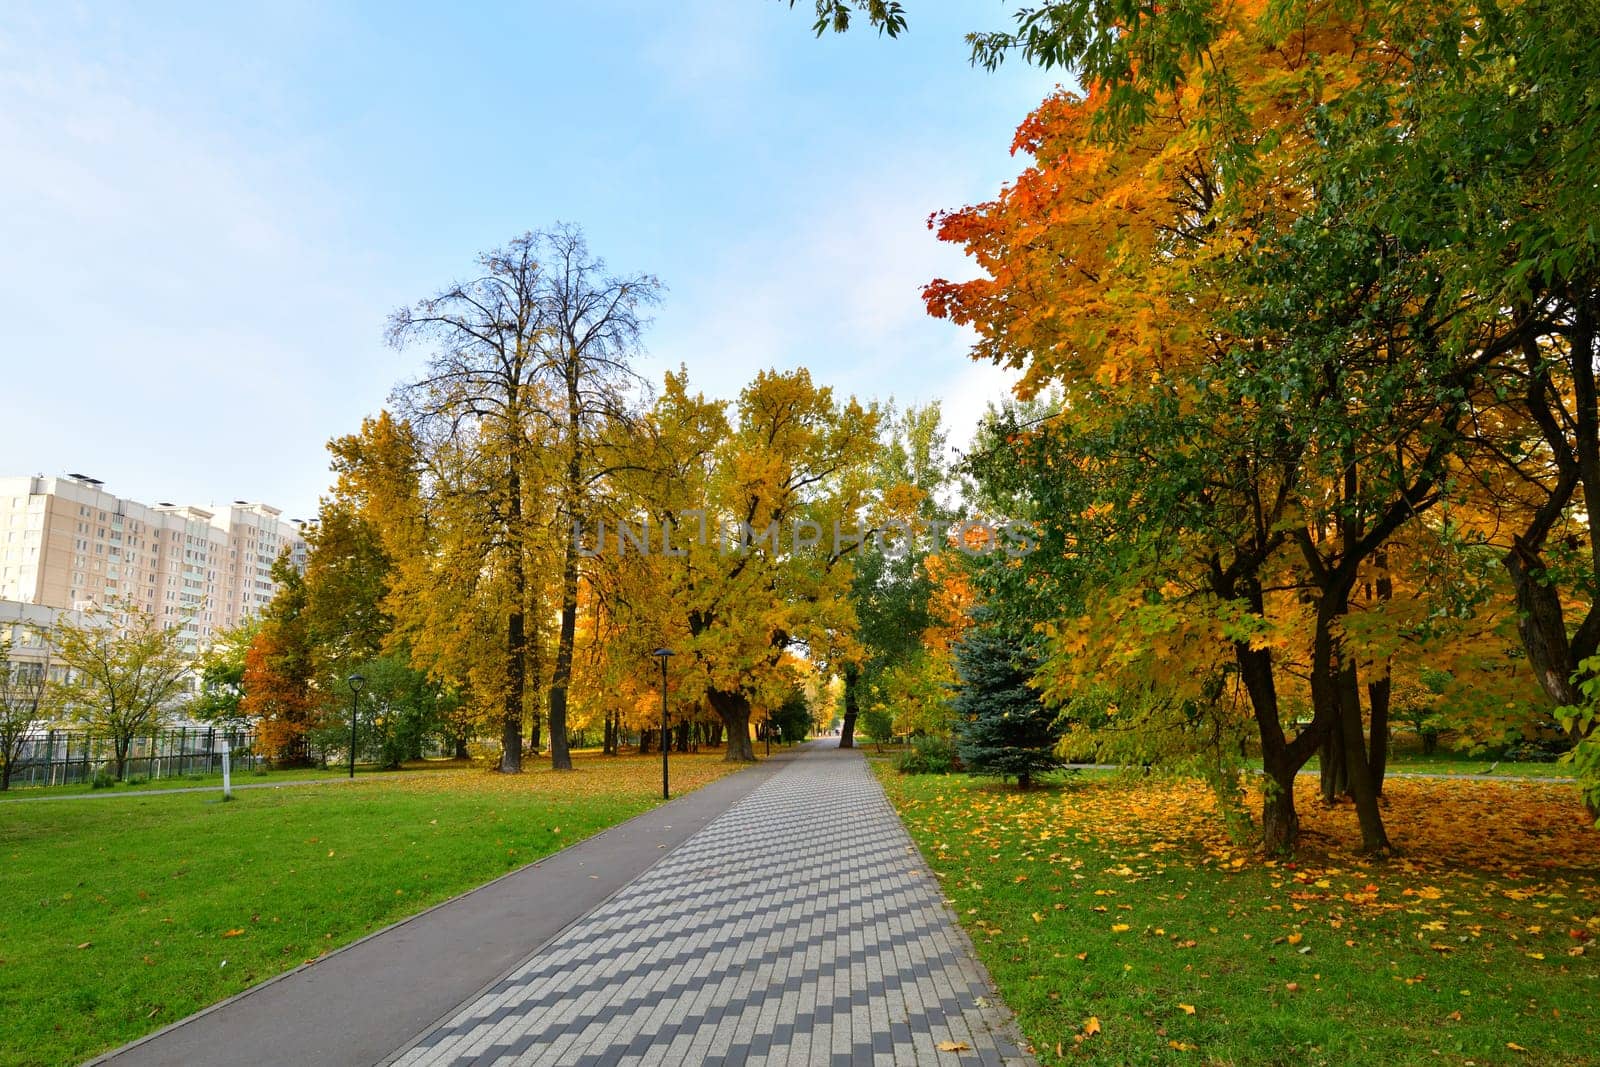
{"type": "Point", "coordinates": [207, 214]}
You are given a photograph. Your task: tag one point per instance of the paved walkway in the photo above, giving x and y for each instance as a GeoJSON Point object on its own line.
{"type": "Point", "coordinates": [800, 927]}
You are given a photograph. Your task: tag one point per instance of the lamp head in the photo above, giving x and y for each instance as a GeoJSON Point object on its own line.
{"type": "Point", "coordinates": [663, 653]}
{"type": "Point", "coordinates": [356, 682]}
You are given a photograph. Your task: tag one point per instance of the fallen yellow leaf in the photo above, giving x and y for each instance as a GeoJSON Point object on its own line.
{"type": "Point", "coordinates": [954, 1046]}
{"type": "Point", "coordinates": [1118, 928]}
{"type": "Point", "coordinates": [1187, 1009]}
{"type": "Point", "coordinates": [1092, 1025]}
{"type": "Point", "coordinates": [234, 933]}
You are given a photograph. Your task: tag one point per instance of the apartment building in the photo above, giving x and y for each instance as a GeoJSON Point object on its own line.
{"type": "Point", "coordinates": [67, 543]}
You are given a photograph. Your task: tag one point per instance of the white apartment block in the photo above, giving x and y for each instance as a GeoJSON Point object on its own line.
{"type": "Point", "coordinates": [66, 543]}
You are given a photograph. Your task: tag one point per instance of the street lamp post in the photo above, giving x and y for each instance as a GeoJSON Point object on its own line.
{"type": "Point", "coordinates": [662, 654]}
{"type": "Point", "coordinates": [356, 682]}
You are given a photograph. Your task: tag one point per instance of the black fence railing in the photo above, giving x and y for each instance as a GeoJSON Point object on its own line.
{"type": "Point", "coordinates": [75, 757]}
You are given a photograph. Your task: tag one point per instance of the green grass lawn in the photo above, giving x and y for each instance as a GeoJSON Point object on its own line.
{"type": "Point", "coordinates": [119, 916]}
{"type": "Point", "coordinates": [1461, 763]}
{"type": "Point", "coordinates": [21, 790]}
{"type": "Point", "coordinates": [1122, 902]}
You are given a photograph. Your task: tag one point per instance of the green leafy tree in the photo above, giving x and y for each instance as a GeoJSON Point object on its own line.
{"type": "Point", "coordinates": [222, 676]}
{"type": "Point", "coordinates": [400, 711]}
{"type": "Point", "coordinates": [890, 589]}
{"type": "Point", "coordinates": [878, 725]}
{"type": "Point", "coordinates": [792, 719]}
{"type": "Point", "coordinates": [125, 674]}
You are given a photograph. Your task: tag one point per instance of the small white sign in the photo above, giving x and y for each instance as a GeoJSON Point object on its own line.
{"type": "Point", "coordinates": [227, 779]}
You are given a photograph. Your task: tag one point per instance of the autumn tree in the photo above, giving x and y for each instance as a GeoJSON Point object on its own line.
{"type": "Point", "coordinates": [124, 673]}
{"type": "Point", "coordinates": [761, 519]}
{"type": "Point", "coordinates": [347, 576]}
{"type": "Point", "coordinates": [479, 415]}
{"type": "Point", "coordinates": [529, 361]}
{"type": "Point", "coordinates": [1262, 386]}
{"type": "Point", "coordinates": [441, 609]}
{"type": "Point", "coordinates": [24, 707]}
{"type": "Point", "coordinates": [279, 696]}
{"type": "Point", "coordinates": [588, 325]}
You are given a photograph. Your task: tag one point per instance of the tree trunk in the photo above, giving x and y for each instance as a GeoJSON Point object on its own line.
{"type": "Point", "coordinates": [120, 750]}
{"type": "Point", "coordinates": [1280, 759]}
{"type": "Point", "coordinates": [1362, 787]}
{"type": "Point", "coordinates": [572, 498]}
{"type": "Point", "coordinates": [1541, 624]}
{"type": "Point", "coordinates": [681, 740]}
{"type": "Point", "coordinates": [533, 694]}
{"type": "Point", "coordinates": [734, 710]}
{"type": "Point", "coordinates": [1280, 823]}
{"type": "Point", "coordinates": [516, 640]}
{"type": "Point", "coordinates": [1335, 771]}
{"type": "Point", "coordinates": [1378, 693]}
{"type": "Point", "coordinates": [645, 734]}
{"type": "Point", "coordinates": [561, 676]}
{"type": "Point", "coordinates": [847, 728]}
{"type": "Point", "coordinates": [1379, 690]}
{"type": "Point", "coordinates": [461, 748]}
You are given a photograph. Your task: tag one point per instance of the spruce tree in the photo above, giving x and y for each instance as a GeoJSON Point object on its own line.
{"type": "Point", "coordinates": [1003, 728]}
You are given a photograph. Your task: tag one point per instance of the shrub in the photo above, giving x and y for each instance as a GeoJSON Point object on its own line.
{"type": "Point", "coordinates": [1538, 750]}
{"type": "Point", "coordinates": [927, 755]}
{"type": "Point", "coordinates": [103, 779]}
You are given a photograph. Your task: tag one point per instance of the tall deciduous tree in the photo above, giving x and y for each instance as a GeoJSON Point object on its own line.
{"type": "Point", "coordinates": [589, 327]}
{"type": "Point", "coordinates": [530, 361]}
{"type": "Point", "coordinates": [1263, 385]}
{"type": "Point", "coordinates": [479, 415]}
{"type": "Point", "coordinates": [752, 568]}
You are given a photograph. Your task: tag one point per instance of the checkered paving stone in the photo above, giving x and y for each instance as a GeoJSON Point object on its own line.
{"type": "Point", "coordinates": [800, 927]}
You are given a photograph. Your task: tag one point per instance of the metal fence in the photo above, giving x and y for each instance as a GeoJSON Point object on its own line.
{"type": "Point", "coordinates": [73, 757]}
